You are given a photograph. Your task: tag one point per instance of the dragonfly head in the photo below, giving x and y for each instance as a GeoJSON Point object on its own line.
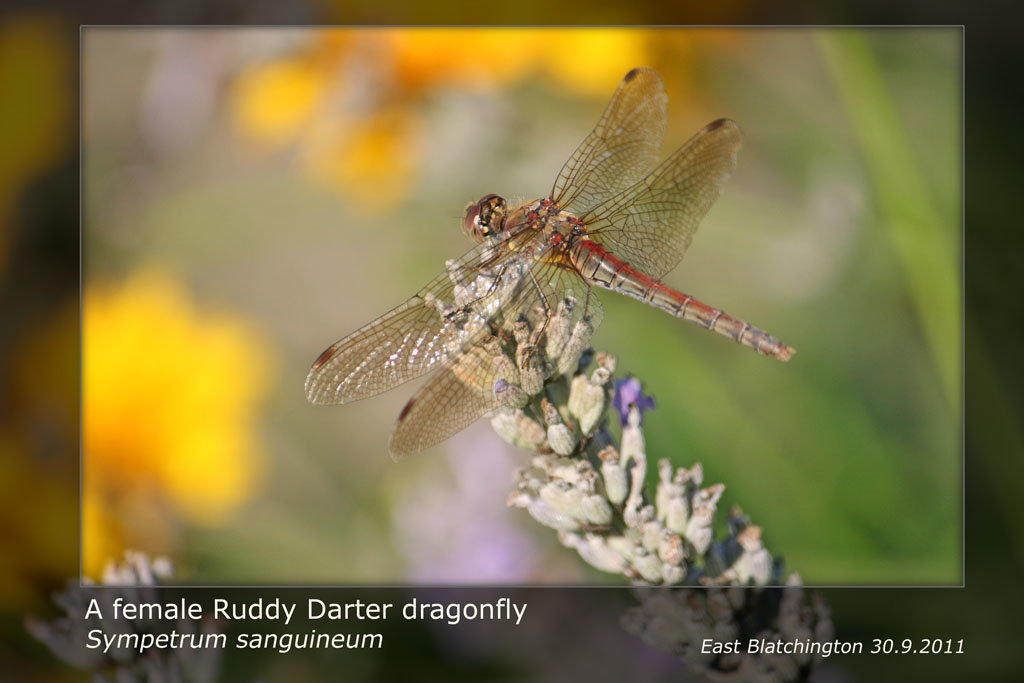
{"type": "Point", "coordinates": [484, 218]}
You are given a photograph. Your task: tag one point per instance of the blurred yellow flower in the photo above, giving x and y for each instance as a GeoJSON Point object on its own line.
{"type": "Point", "coordinates": [273, 102]}
{"type": "Point", "coordinates": [103, 539]}
{"type": "Point", "coordinates": [471, 58]}
{"type": "Point", "coordinates": [349, 100]}
{"type": "Point", "coordinates": [169, 397]}
{"type": "Point", "coordinates": [586, 61]}
{"type": "Point", "coordinates": [370, 157]}
{"type": "Point", "coordinates": [590, 61]}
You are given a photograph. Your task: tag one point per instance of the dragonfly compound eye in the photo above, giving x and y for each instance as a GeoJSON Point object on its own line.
{"type": "Point", "coordinates": [485, 217]}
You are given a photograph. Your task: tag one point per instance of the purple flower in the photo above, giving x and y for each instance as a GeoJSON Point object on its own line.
{"type": "Point", "coordinates": [629, 391]}
{"type": "Point", "coordinates": [448, 527]}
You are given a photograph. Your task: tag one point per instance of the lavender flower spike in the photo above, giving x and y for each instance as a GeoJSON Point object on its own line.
{"type": "Point", "coordinates": [629, 391]}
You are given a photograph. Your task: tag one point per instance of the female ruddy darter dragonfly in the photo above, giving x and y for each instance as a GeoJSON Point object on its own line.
{"type": "Point", "coordinates": [610, 222]}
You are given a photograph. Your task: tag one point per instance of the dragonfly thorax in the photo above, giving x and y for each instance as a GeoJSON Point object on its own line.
{"type": "Point", "coordinates": [485, 218]}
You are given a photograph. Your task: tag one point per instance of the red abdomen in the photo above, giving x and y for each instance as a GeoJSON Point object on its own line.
{"type": "Point", "coordinates": [600, 267]}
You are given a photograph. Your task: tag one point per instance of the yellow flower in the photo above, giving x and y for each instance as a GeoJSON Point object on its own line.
{"type": "Point", "coordinates": [372, 158]}
{"type": "Point", "coordinates": [348, 99]}
{"type": "Point", "coordinates": [584, 61]}
{"type": "Point", "coordinates": [426, 57]}
{"type": "Point", "coordinates": [591, 61]}
{"type": "Point", "coordinates": [103, 538]}
{"type": "Point", "coordinates": [169, 397]}
{"type": "Point", "coordinates": [275, 101]}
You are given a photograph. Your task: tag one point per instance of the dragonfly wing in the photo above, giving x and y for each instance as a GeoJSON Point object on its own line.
{"type": "Point", "coordinates": [463, 391]}
{"type": "Point", "coordinates": [621, 149]}
{"type": "Point", "coordinates": [652, 223]}
{"type": "Point", "coordinates": [420, 335]}
{"type": "Point", "coordinates": [453, 399]}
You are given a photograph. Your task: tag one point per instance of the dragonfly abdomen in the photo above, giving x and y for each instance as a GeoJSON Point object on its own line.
{"type": "Point", "coordinates": [600, 267]}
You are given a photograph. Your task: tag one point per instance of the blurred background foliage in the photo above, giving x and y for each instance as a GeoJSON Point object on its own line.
{"type": "Point", "coordinates": [250, 196]}
{"type": "Point", "coordinates": [39, 325]}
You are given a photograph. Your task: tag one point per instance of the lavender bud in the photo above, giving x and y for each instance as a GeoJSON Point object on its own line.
{"type": "Point", "coordinates": [597, 510]}
{"type": "Point", "coordinates": [558, 329]}
{"type": "Point", "coordinates": [549, 517]}
{"type": "Point", "coordinates": [676, 515]}
{"type": "Point", "coordinates": [616, 484]}
{"type": "Point", "coordinates": [563, 497]}
{"type": "Point", "coordinates": [672, 574]}
{"type": "Point", "coordinates": [579, 339]}
{"type": "Point", "coordinates": [561, 439]}
{"type": "Point", "coordinates": [649, 567]}
{"type": "Point", "coordinates": [586, 402]}
{"type": "Point", "coordinates": [596, 552]}
{"type": "Point", "coordinates": [509, 395]}
{"type": "Point", "coordinates": [670, 548]}
{"type": "Point", "coordinates": [650, 535]}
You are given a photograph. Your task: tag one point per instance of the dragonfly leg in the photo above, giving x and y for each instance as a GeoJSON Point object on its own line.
{"type": "Point", "coordinates": [547, 309]}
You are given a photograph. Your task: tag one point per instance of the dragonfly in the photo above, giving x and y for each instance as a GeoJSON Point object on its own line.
{"type": "Point", "coordinates": [615, 219]}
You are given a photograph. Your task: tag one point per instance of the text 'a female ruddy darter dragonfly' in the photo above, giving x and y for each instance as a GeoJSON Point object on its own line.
{"type": "Point", "coordinates": [609, 222]}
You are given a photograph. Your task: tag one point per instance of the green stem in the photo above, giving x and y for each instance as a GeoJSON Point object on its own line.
{"type": "Point", "coordinates": [910, 219]}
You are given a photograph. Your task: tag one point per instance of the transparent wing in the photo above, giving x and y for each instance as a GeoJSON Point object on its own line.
{"type": "Point", "coordinates": [452, 400]}
{"type": "Point", "coordinates": [420, 335]}
{"type": "Point", "coordinates": [621, 148]}
{"type": "Point", "coordinates": [651, 224]}
{"type": "Point", "coordinates": [463, 391]}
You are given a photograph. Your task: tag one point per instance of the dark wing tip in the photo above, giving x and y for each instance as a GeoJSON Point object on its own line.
{"type": "Point", "coordinates": [639, 71]}
{"type": "Point", "coordinates": [399, 445]}
{"type": "Point", "coordinates": [314, 390]}
{"type": "Point", "coordinates": [721, 123]}
{"type": "Point", "coordinates": [322, 358]}
{"type": "Point", "coordinates": [725, 129]}
{"type": "Point", "coordinates": [406, 409]}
